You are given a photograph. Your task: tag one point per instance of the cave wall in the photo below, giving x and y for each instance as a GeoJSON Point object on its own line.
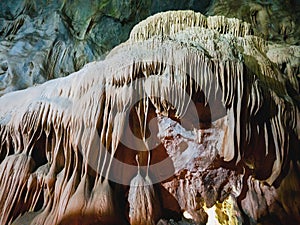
{"type": "Point", "coordinates": [273, 20]}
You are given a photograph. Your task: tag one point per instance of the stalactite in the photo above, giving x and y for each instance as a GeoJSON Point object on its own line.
{"type": "Point", "coordinates": [169, 58]}
{"type": "Point", "coordinates": [141, 199]}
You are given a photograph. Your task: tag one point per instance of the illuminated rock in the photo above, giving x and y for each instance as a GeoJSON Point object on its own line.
{"type": "Point", "coordinates": [202, 97]}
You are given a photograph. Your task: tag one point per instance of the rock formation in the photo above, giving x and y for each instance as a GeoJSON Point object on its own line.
{"type": "Point", "coordinates": [42, 40]}
{"type": "Point", "coordinates": [272, 20]}
{"type": "Point", "coordinates": [192, 115]}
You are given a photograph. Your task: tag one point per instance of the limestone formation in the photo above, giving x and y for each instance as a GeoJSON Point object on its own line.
{"type": "Point", "coordinates": [209, 111]}
{"type": "Point", "coordinates": [274, 20]}
{"type": "Point", "coordinates": [43, 40]}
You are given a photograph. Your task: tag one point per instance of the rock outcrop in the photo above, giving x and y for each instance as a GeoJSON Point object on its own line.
{"type": "Point", "coordinates": [192, 115]}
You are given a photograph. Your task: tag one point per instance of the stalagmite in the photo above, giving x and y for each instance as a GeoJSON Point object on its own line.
{"type": "Point", "coordinates": [226, 118]}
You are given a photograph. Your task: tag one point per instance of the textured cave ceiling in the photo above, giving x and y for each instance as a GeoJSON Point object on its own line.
{"type": "Point", "coordinates": [192, 119]}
